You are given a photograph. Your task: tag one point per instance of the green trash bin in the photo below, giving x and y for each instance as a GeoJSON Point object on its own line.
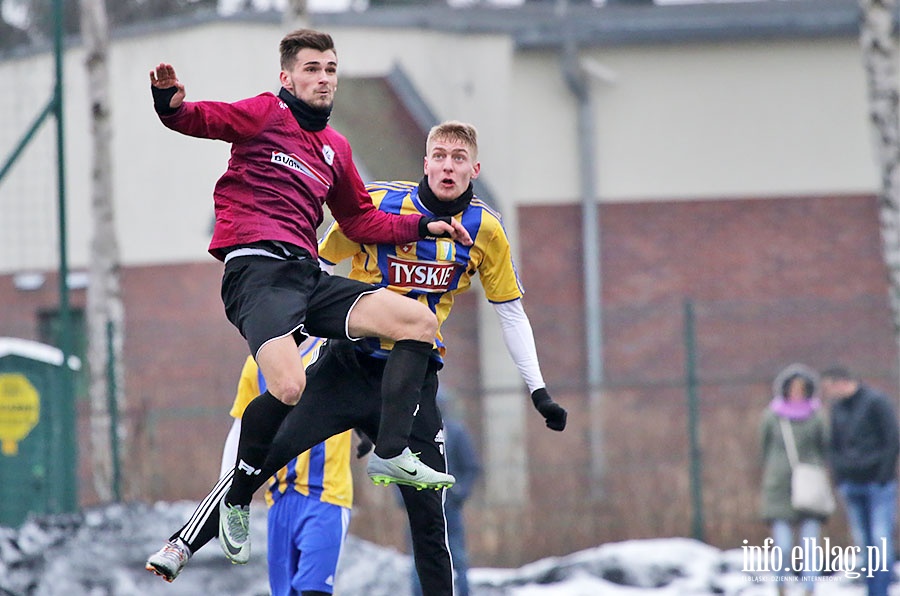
{"type": "Point", "coordinates": [38, 450]}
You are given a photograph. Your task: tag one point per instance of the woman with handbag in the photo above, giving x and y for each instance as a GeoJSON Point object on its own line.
{"type": "Point", "coordinates": [794, 433]}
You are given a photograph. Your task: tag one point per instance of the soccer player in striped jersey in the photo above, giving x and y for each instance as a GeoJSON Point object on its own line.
{"type": "Point", "coordinates": [309, 502]}
{"type": "Point", "coordinates": [343, 385]}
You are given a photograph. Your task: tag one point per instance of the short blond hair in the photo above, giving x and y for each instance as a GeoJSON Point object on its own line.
{"type": "Point", "coordinates": [455, 131]}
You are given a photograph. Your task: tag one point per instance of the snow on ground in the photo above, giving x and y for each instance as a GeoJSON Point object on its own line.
{"type": "Point", "coordinates": [101, 552]}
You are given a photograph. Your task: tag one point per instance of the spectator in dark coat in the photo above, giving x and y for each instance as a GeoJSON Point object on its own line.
{"type": "Point", "coordinates": [863, 453]}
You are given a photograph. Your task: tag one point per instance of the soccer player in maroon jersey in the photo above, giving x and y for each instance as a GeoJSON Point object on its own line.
{"type": "Point", "coordinates": [286, 163]}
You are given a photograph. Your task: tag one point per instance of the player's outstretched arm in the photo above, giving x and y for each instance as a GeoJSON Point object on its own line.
{"type": "Point", "coordinates": [519, 339]}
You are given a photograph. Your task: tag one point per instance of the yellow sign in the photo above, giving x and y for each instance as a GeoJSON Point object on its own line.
{"type": "Point", "coordinates": [20, 410]}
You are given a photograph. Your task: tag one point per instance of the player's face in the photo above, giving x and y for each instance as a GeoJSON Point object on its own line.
{"type": "Point", "coordinates": [450, 167]}
{"type": "Point", "coordinates": [313, 78]}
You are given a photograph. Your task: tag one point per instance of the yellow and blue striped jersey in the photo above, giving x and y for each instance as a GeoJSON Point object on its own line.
{"type": "Point", "coordinates": [322, 472]}
{"type": "Point", "coordinates": [432, 271]}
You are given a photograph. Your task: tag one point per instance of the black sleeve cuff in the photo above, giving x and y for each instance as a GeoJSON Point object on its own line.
{"type": "Point", "coordinates": [540, 397]}
{"type": "Point", "coordinates": [423, 226]}
{"type": "Point", "coordinates": [161, 99]}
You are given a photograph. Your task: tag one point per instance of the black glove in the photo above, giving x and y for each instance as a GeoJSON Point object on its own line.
{"type": "Point", "coordinates": [553, 413]}
{"type": "Point", "coordinates": [364, 447]}
{"type": "Point", "coordinates": [423, 226]}
{"type": "Point", "coordinates": [161, 99]}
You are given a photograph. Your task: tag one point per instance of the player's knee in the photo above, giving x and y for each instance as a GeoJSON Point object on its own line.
{"type": "Point", "coordinates": [422, 324]}
{"type": "Point", "coordinates": [287, 390]}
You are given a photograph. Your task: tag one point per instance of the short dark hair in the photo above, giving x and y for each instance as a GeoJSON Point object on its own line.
{"type": "Point", "coordinates": [838, 372]}
{"type": "Point", "coordinates": [297, 40]}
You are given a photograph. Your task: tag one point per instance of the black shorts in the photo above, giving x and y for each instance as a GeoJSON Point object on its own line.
{"type": "Point", "coordinates": [268, 298]}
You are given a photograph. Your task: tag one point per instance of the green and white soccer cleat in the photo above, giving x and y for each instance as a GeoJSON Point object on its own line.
{"type": "Point", "coordinates": [407, 469]}
{"type": "Point", "coordinates": [234, 532]}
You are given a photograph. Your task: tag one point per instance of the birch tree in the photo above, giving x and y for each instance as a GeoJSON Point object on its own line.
{"type": "Point", "coordinates": [105, 310]}
{"type": "Point", "coordinates": [294, 16]}
{"type": "Point", "coordinates": [880, 56]}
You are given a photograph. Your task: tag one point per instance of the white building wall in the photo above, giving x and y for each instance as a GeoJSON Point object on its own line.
{"type": "Point", "coordinates": [700, 121]}
{"type": "Point", "coordinates": [28, 228]}
{"type": "Point", "coordinates": [684, 122]}
{"type": "Point", "coordinates": [461, 77]}
{"type": "Point", "coordinates": [163, 181]}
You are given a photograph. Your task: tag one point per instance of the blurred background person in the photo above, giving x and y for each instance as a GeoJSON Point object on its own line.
{"type": "Point", "coordinates": [863, 453]}
{"type": "Point", "coordinates": [795, 408]}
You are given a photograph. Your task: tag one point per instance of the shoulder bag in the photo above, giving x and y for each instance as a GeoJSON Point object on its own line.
{"type": "Point", "coordinates": [810, 486]}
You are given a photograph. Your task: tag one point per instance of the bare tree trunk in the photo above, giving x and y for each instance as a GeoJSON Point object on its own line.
{"type": "Point", "coordinates": [104, 297]}
{"type": "Point", "coordinates": [295, 16]}
{"type": "Point", "coordinates": [879, 49]}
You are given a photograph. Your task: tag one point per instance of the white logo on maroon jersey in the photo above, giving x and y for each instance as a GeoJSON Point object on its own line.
{"type": "Point", "coordinates": [291, 161]}
{"type": "Point", "coordinates": [425, 276]}
{"type": "Point", "coordinates": [294, 162]}
{"type": "Point", "coordinates": [328, 154]}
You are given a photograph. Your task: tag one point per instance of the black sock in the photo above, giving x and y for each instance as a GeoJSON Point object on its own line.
{"type": "Point", "coordinates": [401, 386]}
{"type": "Point", "coordinates": [259, 424]}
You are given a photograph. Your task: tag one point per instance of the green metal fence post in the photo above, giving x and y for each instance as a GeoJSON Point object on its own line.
{"type": "Point", "coordinates": [113, 405]}
{"type": "Point", "coordinates": [65, 324]}
{"type": "Point", "coordinates": [693, 422]}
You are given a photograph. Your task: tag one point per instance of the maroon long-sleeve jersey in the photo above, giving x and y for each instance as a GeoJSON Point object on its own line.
{"type": "Point", "coordinates": [280, 175]}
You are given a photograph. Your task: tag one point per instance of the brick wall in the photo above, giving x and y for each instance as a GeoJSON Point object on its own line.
{"type": "Point", "coordinates": [772, 281]}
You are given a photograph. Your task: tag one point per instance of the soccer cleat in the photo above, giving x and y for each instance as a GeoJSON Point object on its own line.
{"type": "Point", "coordinates": [407, 469]}
{"type": "Point", "coordinates": [234, 532]}
{"type": "Point", "coordinates": [168, 561]}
